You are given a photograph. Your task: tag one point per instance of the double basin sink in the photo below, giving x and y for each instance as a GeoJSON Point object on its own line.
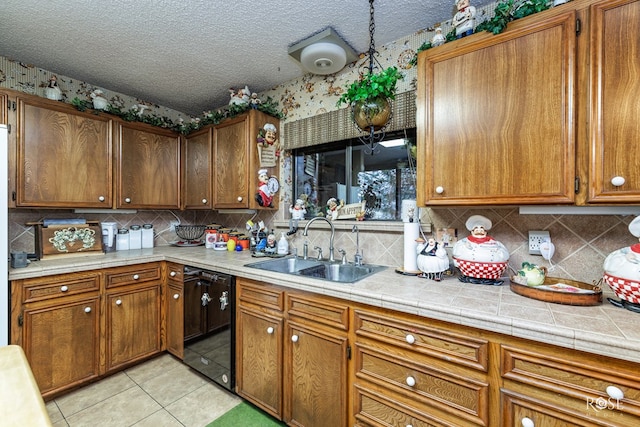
{"type": "Point", "coordinates": [323, 270]}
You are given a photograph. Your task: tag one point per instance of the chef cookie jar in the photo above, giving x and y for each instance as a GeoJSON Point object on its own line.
{"type": "Point", "coordinates": [622, 272]}
{"type": "Point", "coordinates": [480, 258]}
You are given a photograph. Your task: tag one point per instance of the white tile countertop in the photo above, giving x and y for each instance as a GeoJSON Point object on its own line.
{"type": "Point", "coordinates": [602, 329]}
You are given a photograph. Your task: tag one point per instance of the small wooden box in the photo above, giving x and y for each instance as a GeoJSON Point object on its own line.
{"type": "Point", "coordinates": [68, 239]}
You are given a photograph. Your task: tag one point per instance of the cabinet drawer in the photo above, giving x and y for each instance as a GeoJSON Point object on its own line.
{"type": "Point", "coordinates": [133, 275]}
{"type": "Point", "coordinates": [374, 409]}
{"type": "Point", "coordinates": [318, 310]}
{"type": "Point", "coordinates": [517, 408]}
{"type": "Point", "coordinates": [451, 347]}
{"type": "Point", "coordinates": [591, 382]}
{"type": "Point", "coordinates": [44, 288]}
{"type": "Point", "coordinates": [448, 391]}
{"type": "Point", "coordinates": [249, 292]}
{"type": "Point", "coordinates": [175, 273]}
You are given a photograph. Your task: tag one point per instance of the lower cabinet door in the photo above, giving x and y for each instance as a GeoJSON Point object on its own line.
{"type": "Point", "coordinates": [174, 308]}
{"type": "Point", "coordinates": [259, 359]}
{"type": "Point", "coordinates": [315, 377]}
{"type": "Point", "coordinates": [132, 325]}
{"type": "Point", "coordinates": [61, 344]}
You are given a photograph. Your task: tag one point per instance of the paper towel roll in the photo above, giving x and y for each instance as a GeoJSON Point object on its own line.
{"type": "Point", "coordinates": [409, 207]}
{"type": "Point", "coordinates": [411, 232]}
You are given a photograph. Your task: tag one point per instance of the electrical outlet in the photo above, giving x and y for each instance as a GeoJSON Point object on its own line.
{"type": "Point", "coordinates": [536, 238]}
{"type": "Point", "coordinates": [172, 225]}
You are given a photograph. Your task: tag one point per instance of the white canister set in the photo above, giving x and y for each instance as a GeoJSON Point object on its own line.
{"type": "Point", "coordinates": [123, 239]}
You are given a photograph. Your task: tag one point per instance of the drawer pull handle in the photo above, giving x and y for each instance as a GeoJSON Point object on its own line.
{"type": "Point", "coordinates": [101, 199]}
{"type": "Point", "coordinates": [411, 381]}
{"type": "Point", "coordinates": [118, 302]}
{"type": "Point", "coordinates": [615, 393]}
{"type": "Point", "coordinates": [410, 339]}
{"type": "Point", "coordinates": [173, 274]}
{"type": "Point", "coordinates": [527, 422]}
{"type": "Point", "coordinates": [127, 199]}
{"type": "Point", "coordinates": [87, 309]}
{"type": "Point", "coordinates": [204, 201]}
{"type": "Point", "coordinates": [64, 288]}
{"type": "Point", "coordinates": [239, 198]}
{"type": "Point", "coordinates": [617, 181]}
{"type": "Point", "coordinates": [439, 189]}
{"type": "Point", "coordinates": [136, 277]}
{"type": "Point", "coordinates": [176, 296]}
{"type": "Point", "coordinates": [294, 338]}
{"type": "Point", "coordinates": [270, 330]}
{"type": "Point", "coordinates": [409, 425]}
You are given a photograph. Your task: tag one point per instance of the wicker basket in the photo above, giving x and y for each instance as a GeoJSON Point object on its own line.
{"type": "Point", "coordinates": [190, 232]}
{"type": "Point", "coordinates": [560, 291]}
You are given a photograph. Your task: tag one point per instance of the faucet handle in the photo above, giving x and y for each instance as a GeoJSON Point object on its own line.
{"type": "Point", "coordinates": [319, 249]}
{"type": "Point", "coordinates": [344, 255]}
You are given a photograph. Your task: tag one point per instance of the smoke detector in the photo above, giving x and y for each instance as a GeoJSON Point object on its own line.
{"type": "Point", "coordinates": [323, 53]}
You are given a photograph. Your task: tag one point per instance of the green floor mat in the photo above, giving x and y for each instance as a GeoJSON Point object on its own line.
{"type": "Point", "coordinates": [245, 415]}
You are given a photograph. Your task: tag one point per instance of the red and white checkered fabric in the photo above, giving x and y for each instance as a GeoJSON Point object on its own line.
{"type": "Point", "coordinates": [625, 289]}
{"type": "Point", "coordinates": [481, 270]}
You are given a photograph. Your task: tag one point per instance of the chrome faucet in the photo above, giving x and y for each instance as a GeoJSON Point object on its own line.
{"type": "Point", "coordinates": [358, 256]}
{"type": "Point", "coordinates": [333, 233]}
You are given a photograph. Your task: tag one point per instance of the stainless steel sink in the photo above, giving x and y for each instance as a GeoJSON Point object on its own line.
{"type": "Point", "coordinates": [323, 270]}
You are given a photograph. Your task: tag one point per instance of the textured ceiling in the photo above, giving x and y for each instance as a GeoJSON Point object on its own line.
{"type": "Point", "coordinates": [186, 54]}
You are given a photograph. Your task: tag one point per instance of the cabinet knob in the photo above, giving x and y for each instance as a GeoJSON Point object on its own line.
{"type": "Point", "coordinates": [136, 277]}
{"type": "Point", "coordinates": [270, 330]}
{"type": "Point", "coordinates": [87, 309]}
{"type": "Point", "coordinates": [411, 381]}
{"type": "Point", "coordinates": [527, 422]}
{"type": "Point", "coordinates": [127, 200]}
{"type": "Point", "coordinates": [239, 198]}
{"type": "Point", "coordinates": [410, 339]}
{"type": "Point", "coordinates": [439, 189]}
{"type": "Point", "coordinates": [101, 199]}
{"type": "Point", "coordinates": [176, 296]}
{"type": "Point", "coordinates": [204, 201]}
{"type": "Point", "coordinates": [615, 393]}
{"type": "Point", "coordinates": [118, 302]}
{"type": "Point", "coordinates": [64, 288]}
{"type": "Point", "coordinates": [617, 181]}
{"type": "Point", "coordinates": [173, 274]}
{"type": "Point", "coordinates": [294, 338]}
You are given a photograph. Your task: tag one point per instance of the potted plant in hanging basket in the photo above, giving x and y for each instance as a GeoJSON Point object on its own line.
{"type": "Point", "coordinates": [369, 98]}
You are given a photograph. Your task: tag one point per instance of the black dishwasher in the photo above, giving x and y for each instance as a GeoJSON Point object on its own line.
{"type": "Point", "coordinates": [209, 324]}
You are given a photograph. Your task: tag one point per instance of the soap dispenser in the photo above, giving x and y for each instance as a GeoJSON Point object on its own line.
{"type": "Point", "coordinates": [283, 245]}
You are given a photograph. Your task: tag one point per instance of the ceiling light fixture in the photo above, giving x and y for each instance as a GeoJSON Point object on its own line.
{"type": "Point", "coordinates": [393, 143]}
{"type": "Point", "coordinates": [323, 53]}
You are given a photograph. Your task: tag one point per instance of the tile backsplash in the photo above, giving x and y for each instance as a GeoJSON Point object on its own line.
{"type": "Point", "coordinates": [582, 241]}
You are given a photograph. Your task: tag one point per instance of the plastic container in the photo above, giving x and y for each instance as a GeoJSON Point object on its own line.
{"type": "Point", "coordinates": [122, 240]}
{"type": "Point", "coordinates": [283, 245]}
{"type": "Point", "coordinates": [147, 236]}
{"type": "Point", "coordinates": [210, 238]}
{"type": "Point", "coordinates": [135, 237]}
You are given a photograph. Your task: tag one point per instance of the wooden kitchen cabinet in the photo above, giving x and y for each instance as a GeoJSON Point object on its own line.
{"type": "Point", "coordinates": [236, 160]}
{"type": "Point", "coordinates": [406, 368]}
{"type": "Point", "coordinates": [56, 320]}
{"type": "Point", "coordinates": [132, 314]}
{"type": "Point", "coordinates": [64, 156]}
{"type": "Point", "coordinates": [173, 322]}
{"type": "Point", "coordinates": [198, 170]}
{"type": "Point", "coordinates": [614, 90]}
{"type": "Point", "coordinates": [496, 116]}
{"type": "Point", "coordinates": [259, 344]}
{"type": "Point", "coordinates": [8, 110]}
{"type": "Point", "coordinates": [148, 167]}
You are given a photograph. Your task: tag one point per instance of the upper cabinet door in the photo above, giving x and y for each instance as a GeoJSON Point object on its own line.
{"type": "Point", "coordinates": [64, 157]}
{"type": "Point", "coordinates": [197, 170]}
{"type": "Point", "coordinates": [231, 157]}
{"type": "Point", "coordinates": [614, 102]}
{"type": "Point", "coordinates": [496, 116]}
{"type": "Point", "coordinates": [148, 167]}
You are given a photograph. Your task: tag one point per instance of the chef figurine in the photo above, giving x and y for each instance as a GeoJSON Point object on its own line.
{"type": "Point", "coordinates": [333, 207]}
{"type": "Point", "coordinates": [432, 260]}
{"type": "Point", "coordinates": [272, 246]}
{"type": "Point", "coordinates": [264, 196]}
{"type": "Point", "coordinates": [298, 212]}
{"type": "Point", "coordinates": [479, 247]}
{"type": "Point", "coordinates": [52, 91]}
{"type": "Point", "coordinates": [622, 268]}
{"type": "Point", "coordinates": [464, 20]}
{"type": "Point", "coordinates": [438, 38]}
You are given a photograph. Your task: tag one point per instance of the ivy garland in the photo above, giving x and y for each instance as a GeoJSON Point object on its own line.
{"type": "Point", "coordinates": [208, 117]}
{"type": "Point", "coordinates": [504, 12]}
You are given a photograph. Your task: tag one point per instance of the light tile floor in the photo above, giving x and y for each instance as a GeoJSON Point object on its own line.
{"type": "Point", "coordinates": [162, 392]}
